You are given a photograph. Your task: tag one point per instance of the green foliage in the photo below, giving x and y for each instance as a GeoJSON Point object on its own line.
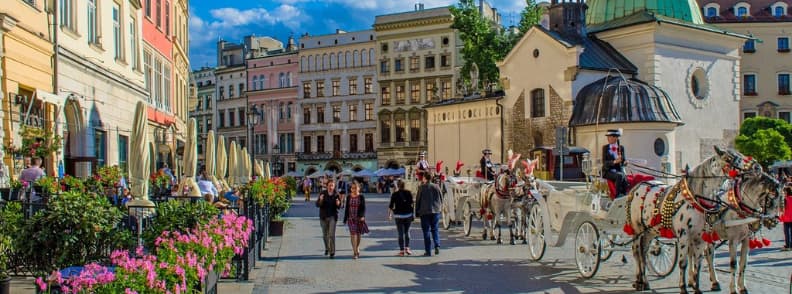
{"type": "Point", "coordinates": [179, 216]}
{"type": "Point", "coordinates": [109, 176]}
{"type": "Point", "coordinates": [36, 142]}
{"type": "Point", "coordinates": [483, 42]}
{"type": "Point", "coordinates": [73, 183]}
{"type": "Point", "coordinates": [291, 185]}
{"type": "Point", "coordinates": [750, 126]}
{"type": "Point", "coordinates": [49, 185]}
{"type": "Point", "coordinates": [766, 146]}
{"type": "Point", "coordinates": [265, 191]}
{"type": "Point", "coordinates": [75, 228]}
{"type": "Point", "coordinates": [10, 223]}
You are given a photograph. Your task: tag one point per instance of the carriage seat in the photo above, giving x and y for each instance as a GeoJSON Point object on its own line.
{"type": "Point", "coordinates": [632, 181]}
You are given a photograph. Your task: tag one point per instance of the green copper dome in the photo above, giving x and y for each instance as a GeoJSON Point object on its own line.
{"type": "Point", "coordinates": [603, 11]}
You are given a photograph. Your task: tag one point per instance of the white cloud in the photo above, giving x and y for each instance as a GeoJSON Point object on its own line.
{"type": "Point", "coordinates": [225, 21]}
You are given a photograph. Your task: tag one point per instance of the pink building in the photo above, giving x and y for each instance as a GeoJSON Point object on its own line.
{"type": "Point", "coordinates": [272, 90]}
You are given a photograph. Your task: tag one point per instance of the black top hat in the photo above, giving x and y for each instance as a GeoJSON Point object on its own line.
{"type": "Point", "coordinates": [486, 151]}
{"type": "Point", "coordinates": [615, 133]}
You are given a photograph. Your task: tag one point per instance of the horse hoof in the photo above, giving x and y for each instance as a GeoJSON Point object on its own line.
{"type": "Point", "coordinates": [716, 287]}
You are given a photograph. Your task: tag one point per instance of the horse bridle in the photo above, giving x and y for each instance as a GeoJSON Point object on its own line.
{"type": "Point", "coordinates": [734, 200]}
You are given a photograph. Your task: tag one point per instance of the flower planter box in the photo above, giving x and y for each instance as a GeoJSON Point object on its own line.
{"type": "Point", "coordinates": [276, 228]}
{"type": "Point", "coordinates": [9, 194]}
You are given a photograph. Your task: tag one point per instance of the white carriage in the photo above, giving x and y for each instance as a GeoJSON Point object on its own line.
{"type": "Point", "coordinates": [559, 208]}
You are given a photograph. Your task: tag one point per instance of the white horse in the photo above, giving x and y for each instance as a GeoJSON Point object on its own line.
{"type": "Point", "coordinates": [744, 216]}
{"type": "Point", "coordinates": [498, 202]}
{"type": "Point", "coordinates": [676, 212]}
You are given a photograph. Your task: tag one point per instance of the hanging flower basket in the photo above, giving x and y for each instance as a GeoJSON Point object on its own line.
{"type": "Point", "coordinates": [36, 142]}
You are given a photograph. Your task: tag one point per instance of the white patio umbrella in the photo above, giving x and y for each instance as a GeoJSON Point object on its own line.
{"type": "Point", "coordinates": [152, 152]}
{"type": "Point", "coordinates": [258, 169]}
{"type": "Point", "coordinates": [267, 171]}
{"type": "Point", "coordinates": [248, 166]}
{"type": "Point", "coordinates": [139, 167]}
{"type": "Point", "coordinates": [244, 166]}
{"type": "Point", "coordinates": [233, 167]}
{"type": "Point", "coordinates": [209, 157]}
{"type": "Point", "coordinates": [222, 163]}
{"type": "Point", "coordinates": [190, 162]}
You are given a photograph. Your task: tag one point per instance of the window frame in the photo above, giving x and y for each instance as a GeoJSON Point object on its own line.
{"type": "Point", "coordinates": [335, 86]}
{"type": "Point", "coordinates": [92, 17]}
{"type": "Point", "coordinates": [352, 86]}
{"type": "Point", "coordinates": [538, 103]}
{"type": "Point", "coordinates": [385, 95]}
{"type": "Point", "coordinates": [749, 91]}
{"type": "Point", "coordinates": [368, 113]}
{"type": "Point", "coordinates": [320, 115]}
{"type": "Point", "coordinates": [336, 113]}
{"type": "Point", "coordinates": [352, 108]}
{"type": "Point", "coordinates": [782, 44]}
{"type": "Point", "coordinates": [320, 88]}
{"type": "Point", "coordinates": [779, 85]}
{"type": "Point", "coordinates": [751, 48]}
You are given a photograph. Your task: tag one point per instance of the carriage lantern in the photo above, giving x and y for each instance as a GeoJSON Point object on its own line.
{"type": "Point", "coordinates": [586, 164]}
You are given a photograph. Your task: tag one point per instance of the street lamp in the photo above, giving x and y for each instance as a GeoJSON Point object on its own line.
{"type": "Point", "coordinates": [252, 119]}
{"type": "Point", "coordinates": [275, 150]}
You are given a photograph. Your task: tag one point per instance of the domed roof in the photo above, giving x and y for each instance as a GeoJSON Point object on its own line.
{"type": "Point", "coordinates": [616, 100]}
{"type": "Point", "coordinates": [602, 11]}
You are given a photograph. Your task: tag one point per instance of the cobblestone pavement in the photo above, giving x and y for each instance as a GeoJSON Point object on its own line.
{"type": "Point", "coordinates": [466, 264]}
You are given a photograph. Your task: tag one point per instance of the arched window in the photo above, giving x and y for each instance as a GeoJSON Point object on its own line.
{"type": "Point", "coordinates": [302, 64]}
{"type": "Point", "coordinates": [333, 63]}
{"type": "Point", "coordinates": [281, 80]}
{"type": "Point", "coordinates": [289, 111]}
{"type": "Point", "coordinates": [742, 11]}
{"type": "Point", "coordinates": [288, 79]}
{"type": "Point", "coordinates": [364, 59]}
{"type": "Point", "coordinates": [262, 82]}
{"type": "Point", "coordinates": [316, 62]}
{"type": "Point", "coordinates": [779, 11]}
{"type": "Point", "coordinates": [325, 62]}
{"type": "Point", "coordinates": [371, 56]}
{"type": "Point", "coordinates": [356, 61]}
{"type": "Point", "coordinates": [348, 59]}
{"type": "Point", "coordinates": [254, 83]}
{"type": "Point", "coordinates": [340, 56]}
{"type": "Point", "coordinates": [537, 103]}
{"type": "Point", "coordinates": [712, 12]}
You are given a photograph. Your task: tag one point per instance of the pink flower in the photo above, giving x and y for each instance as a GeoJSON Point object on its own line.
{"type": "Point", "coordinates": [130, 291]}
{"type": "Point", "coordinates": [41, 284]}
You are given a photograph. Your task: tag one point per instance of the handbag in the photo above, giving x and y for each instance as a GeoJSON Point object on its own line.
{"type": "Point", "coordinates": [364, 229]}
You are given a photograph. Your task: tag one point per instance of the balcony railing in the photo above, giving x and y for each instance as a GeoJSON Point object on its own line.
{"type": "Point", "coordinates": [335, 155]}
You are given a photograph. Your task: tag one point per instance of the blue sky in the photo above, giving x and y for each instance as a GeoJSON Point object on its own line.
{"type": "Point", "coordinates": [232, 20]}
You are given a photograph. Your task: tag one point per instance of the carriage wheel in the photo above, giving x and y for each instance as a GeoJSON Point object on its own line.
{"type": "Point", "coordinates": [587, 249]}
{"type": "Point", "coordinates": [534, 232]}
{"type": "Point", "coordinates": [662, 256]}
{"type": "Point", "coordinates": [606, 243]}
{"type": "Point", "coordinates": [467, 215]}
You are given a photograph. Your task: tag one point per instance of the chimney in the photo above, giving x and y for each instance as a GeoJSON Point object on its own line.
{"type": "Point", "coordinates": [290, 46]}
{"type": "Point", "coordinates": [568, 17]}
{"type": "Point", "coordinates": [419, 6]}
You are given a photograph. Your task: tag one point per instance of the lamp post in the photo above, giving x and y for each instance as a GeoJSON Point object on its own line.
{"type": "Point", "coordinates": [252, 119]}
{"type": "Point", "coordinates": [276, 151]}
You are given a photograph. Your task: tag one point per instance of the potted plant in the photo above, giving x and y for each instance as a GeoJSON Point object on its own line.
{"type": "Point", "coordinates": [46, 186]}
{"type": "Point", "coordinates": [279, 203]}
{"type": "Point", "coordinates": [5, 279]}
{"type": "Point", "coordinates": [72, 184]}
{"type": "Point", "coordinates": [12, 192]}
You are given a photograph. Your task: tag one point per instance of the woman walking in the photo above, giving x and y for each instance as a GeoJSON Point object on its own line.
{"type": "Point", "coordinates": [355, 217]}
{"type": "Point", "coordinates": [401, 209]}
{"type": "Point", "coordinates": [329, 202]}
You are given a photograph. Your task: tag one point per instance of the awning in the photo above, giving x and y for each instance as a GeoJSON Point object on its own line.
{"type": "Point", "coordinates": [50, 98]}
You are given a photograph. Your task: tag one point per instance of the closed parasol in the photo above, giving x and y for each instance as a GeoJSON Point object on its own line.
{"type": "Point", "coordinates": [233, 168]}
{"type": "Point", "coordinates": [258, 169]}
{"type": "Point", "coordinates": [139, 168]}
{"type": "Point", "coordinates": [190, 163]}
{"type": "Point", "coordinates": [222, 163]}
{"type": "Point", "coordinates": [209, 157]}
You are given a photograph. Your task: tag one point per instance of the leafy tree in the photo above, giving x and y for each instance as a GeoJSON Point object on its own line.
{"type": "Point", "coordinates": [765, 145]}
{"type": "Point", "coordinates": [752, 125]}
{"type": "Point", "coordinates": [483, 42]}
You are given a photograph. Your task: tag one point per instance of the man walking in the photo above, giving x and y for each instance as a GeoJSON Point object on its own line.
{"type": "Point", "coordinates": [306, 184]}
{"type": "Point", "coordinates": [428, 205]}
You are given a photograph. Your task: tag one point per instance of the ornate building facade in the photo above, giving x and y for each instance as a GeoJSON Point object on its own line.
{"type": "Point", "coordinates": [336, 111]}
{"type": "Point", "coordinates": [417, 58]}
{"type": "Point", "coordinates": [765, 64]}
{"type": "Point", "coordinates": [202, 108]}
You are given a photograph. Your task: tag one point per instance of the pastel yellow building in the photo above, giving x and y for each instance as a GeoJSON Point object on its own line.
{"type": "Point", "coordinates": [26, 75]}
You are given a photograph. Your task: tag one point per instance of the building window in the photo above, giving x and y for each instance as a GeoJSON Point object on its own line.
{"type": "Point", "coordinates": [230, 91]}
{"type": "Point", "coordinates": [749, 46]}
{"type": "Point", "coordinates": [429, 62]}
{"type": "Point", "coordinates": [123, 151]}
{"type": "Point", "coordinates": [281, 112]}
{"type": "Point", "coordinates": [320, 117]}
{"type": "Point", "coordinates": [254, 83]}
{"type": "Point", "coordinates": [66, 14]}
{"type": "Point", "coordinates": [166, 93]}
{"type": "Point", "coordinates": [231, 118]}
{"type": "Point", "coordinates": [430, 92]}
{"type": "Point", "coordinates": [167, 18]}
{"type": "Point", "coordinates": [353, 143]}
{"type": "Point", "coordinates": [447, 90]}
{"type": "Point", "coordinates": [385, 127]}
{"type": "Point", "coordinates": [320, 89]}
{"type": "Point", "coordinates": [307, 144]}
{"type": "Point", "coordinates": [221, 119]}
{"type": "Point", "coordinates": [307, 116]}
{"type": "Point", "coordinates": [221, 90]}
{"type": "Point", "coordinates": [779, 11]}
{"type": "Point", "coordinates": [415, 92]}
{"type": "Point", "coordinates": [147, 75]}
{"type": "Point", "coordinates": [353, 90]}
{"type": "Point", "coordinates": [742, 11]}
{"type": "Point", "coordinates": [386, 99]}
{"type": "Point", "coordinates": [415, 63]}
{"type": "Point", "coordinates": [784, 115]}
{"type": "Point", "coordinates": [133, 49]}
{"type": "Point", "coordinates": [401, 127]}
{"type": "Point", "coordinates": [369, 115]}
{"type": "Point", "coordinates": [398, 64]}
{"type": "Point", "coordinates": [209, 124]}
{"type": "Point", "coordinates": [336, 87]}
{"type": "Point", "coordinates": [369, 142]}
{"type": "Point", "coordinates": [400, 95]}
{"type": "Point", "coordinates": [320, 144]}
{"type": "Point", "coordinates": [157, 83]}
{"type": "Point", "coordinates": [748, 115]}
{"type": "Point", "coordinates": [367, 86]}
{"type": "Point", "coordinates": [337, 113]}
{"type": "Point", "coordinates": [307, 90]}
{"type": "Point", "coordinates": [537, 103]}
{"type": "Point", "coordinates": [384, 67]}
{"type": "Point", "coordinates": [93, 23]}
{"type": "Point", "coordinates": [148, 8]}
{"type": "Point", "coordinates": [749, 84]}
{"type": "Point", "coordinates": [783, 44]}
{"type": "Point", "coordinates": [783, 84]}
{"type": "Point", "coordinates": [100, 147]}
{"type": "Point", "coordinates": [336, 143]}
{"type": "Point", "coordinates": [241, 116]}
{"type": "Point", "coordinates": [353, 112]}
{"type": "Point", "coordinates": [241, 88]}
{"type": "Point", "coordinates": [117, 45]}
{"type": "Point", "coordinates": [712, 12]}
{"type": "Point", "coordinates": [158, 12]}
{"type": "Point", "coordinates": [415, 129]}
{"type": "Point", "coordinates": [445, 60]}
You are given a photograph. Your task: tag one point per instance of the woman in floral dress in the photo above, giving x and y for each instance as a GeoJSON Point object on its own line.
{"type": "Point", "coordinates": [355, 217]}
